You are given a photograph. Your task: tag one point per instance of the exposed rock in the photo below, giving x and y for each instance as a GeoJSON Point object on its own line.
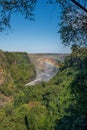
{"type": "Point", "coordinates": [46, 65]}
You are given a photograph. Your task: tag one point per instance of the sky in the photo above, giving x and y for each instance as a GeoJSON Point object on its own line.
{"type": "Point", "coordinates": [39, 36]}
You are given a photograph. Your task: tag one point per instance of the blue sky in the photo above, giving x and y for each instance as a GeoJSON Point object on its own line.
{"type": "Point", "coordinates": [39, 36]}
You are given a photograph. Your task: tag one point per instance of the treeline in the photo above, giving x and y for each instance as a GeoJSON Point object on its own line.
{"type": "Point", "coordinates": [60, 104]}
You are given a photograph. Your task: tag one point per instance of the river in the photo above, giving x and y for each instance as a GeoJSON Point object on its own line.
{"type": "Point", "coordinates": [46, 68]}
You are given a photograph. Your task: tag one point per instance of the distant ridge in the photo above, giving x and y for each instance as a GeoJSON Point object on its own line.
{"type": "Point", "coordinates": [49, 53]}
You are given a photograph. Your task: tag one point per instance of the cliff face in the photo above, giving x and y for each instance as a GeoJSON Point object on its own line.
{"type": "Point", "coordinates": [39, 60]}
{"type": "Point", "coordinates": [42, 60]}
{"type": "Point", "coordinates": [46, 65]}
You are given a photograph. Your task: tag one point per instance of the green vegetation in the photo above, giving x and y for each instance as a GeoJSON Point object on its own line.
{"type": "Point", "coordinates": [60, 104]}
{"type": "Point", "coordinates": [15, 71]}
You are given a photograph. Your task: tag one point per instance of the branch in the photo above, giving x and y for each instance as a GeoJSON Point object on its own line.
{"type": "Point", "coordinates": [79, 5]}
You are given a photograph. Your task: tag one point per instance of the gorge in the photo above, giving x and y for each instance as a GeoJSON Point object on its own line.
{"type": "Point", "coordinates": [46, 65]}
{"type": "Point", "coordinates": [57, 104]}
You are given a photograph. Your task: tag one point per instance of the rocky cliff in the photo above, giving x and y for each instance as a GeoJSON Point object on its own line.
{"type": "Point", "coordinates": [46, 65]}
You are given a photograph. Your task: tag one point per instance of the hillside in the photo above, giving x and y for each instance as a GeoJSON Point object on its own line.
{"type": "Point", "coordinates": [15, 70]}
{"type": "Point", "coordinates": [60, 104]}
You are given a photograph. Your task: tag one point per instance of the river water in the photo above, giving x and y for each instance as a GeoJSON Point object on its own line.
{"type": "Point", "coordinates": [45, 72]}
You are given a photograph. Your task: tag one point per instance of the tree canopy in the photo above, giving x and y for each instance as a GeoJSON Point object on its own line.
{"type": "Point", "coordinates": [73, 24]}
{"type": "Point", "coordinates": [82, 5]}
{"type": "Point", "coordinates": [8, 7]}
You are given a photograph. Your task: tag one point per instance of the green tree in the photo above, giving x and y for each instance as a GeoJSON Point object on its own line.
{"type": "Point", "coordinates": [74, 47]}
{"type": "Point", "coordinates": [8, 7]}
{"type": "Point", "coordinates": [73, 25]}
{"type": "Point", "coordinates": [80, 5]}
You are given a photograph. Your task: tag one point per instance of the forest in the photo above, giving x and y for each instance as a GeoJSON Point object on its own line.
{"type": "Point", "coordinates": [60, 104]}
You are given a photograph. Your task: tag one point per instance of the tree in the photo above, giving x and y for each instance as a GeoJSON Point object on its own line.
{"type": "Point", "coordinates": [74, 47]}
{"type": "Point", "coordinates": [8, 7]}
{"type": "Point", "coordinates": [73, 26]}
{"type": "Point", "coordinates": [80, 4]}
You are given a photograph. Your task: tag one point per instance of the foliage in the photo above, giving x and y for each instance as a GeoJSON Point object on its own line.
{"type": "Point", "coordinates": [15, 71]}
{"type": "Point", "coordinates": [8, 7]}
{"type": "Point", "coordinates": [60, 104]}
{"type": "Point", "coordinates": [73, 25]}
